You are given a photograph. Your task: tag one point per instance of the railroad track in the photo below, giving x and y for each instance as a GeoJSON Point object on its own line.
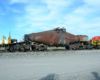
{"type": "Point", "coordinates": [50, 50]}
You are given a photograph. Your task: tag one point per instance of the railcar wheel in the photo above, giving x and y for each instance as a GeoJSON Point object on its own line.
{"type": "Point", "coordinates": [11, 49]}
{"type": "Point", "coordinates": [22, 48]}
{"type": "Point", "coordinates": [33, 48]}
{"type": "Point", "coordinates": [40, 48]}
{"type": "Point", "coordinates": [7, 48]}
{"type": "Point", "coordinates": [67, 47]}
{"type": "Point", "coordinates": [17, 47]}
{"type": "Point", "coordinates": [98, 47]}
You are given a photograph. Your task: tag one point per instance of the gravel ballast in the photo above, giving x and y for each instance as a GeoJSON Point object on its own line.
{"type": "Point", "coordinates": [46, 53]}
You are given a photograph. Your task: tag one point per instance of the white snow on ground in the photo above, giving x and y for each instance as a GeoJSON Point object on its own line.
{"type": "Point", "coordinates": [58, 65]}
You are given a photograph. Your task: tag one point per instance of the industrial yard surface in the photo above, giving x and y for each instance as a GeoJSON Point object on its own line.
{"type": "Point", "coordinates": [57, 65]}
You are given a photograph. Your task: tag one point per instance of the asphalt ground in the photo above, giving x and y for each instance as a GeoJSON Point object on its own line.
{"type": "Point", "coordinates": [57, 65]}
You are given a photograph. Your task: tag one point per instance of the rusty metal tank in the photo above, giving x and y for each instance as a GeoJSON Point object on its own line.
{"type": "Point", "coordinates": [55, 37]}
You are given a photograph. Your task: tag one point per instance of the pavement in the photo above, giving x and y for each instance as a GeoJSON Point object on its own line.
{"type": "Point", "coordinates": [78, 65]}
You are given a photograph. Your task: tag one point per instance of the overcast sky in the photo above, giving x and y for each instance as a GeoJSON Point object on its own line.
{"type": "Point", "coordinates": [27, 16]}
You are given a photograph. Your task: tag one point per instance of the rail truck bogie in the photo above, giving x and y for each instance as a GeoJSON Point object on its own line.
{"type": "Point", "coordinates": [23, 46]}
